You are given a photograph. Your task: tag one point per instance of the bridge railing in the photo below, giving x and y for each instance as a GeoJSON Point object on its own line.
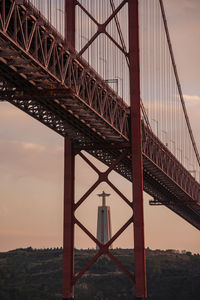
{"type": "Point", "coordinates": [160, 155]}
{"type": "Point", "coordinates": [34, 50]}
{"type": "Point", "coordinates": [57, 58]}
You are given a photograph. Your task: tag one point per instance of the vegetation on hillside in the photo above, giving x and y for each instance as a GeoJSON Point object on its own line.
{"type": "Point", "coordinates": [37, 275]}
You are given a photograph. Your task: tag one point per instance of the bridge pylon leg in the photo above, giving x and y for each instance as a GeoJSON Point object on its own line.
{"type": "Point", "coordinates": [68, 230]}
{"type": "Point", "coordinates": [136, 150]}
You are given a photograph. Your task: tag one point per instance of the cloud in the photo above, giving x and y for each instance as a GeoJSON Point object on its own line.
{"type": "Point", "coordinates": [34, 147]}
{"type": "Point", "coordinates": [22, 159]}
{"type": "Point", "coordinates": [192, 98]}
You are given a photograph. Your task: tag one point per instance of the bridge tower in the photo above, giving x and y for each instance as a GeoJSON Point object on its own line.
{"type": "Point", "coordinates": [42, 75]}
{"type": "Point", "coordinates": [135, 150]}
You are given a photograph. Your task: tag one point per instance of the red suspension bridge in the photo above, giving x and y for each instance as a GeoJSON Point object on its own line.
{"type": "Point", "coordinates": [76, 67]}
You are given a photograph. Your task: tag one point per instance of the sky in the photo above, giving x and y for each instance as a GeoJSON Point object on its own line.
{"type": "Point", "coordinates": [31, 167]}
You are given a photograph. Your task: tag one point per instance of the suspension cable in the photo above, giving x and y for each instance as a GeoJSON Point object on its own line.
{"type": "Point", "coordinates": [178, 81]}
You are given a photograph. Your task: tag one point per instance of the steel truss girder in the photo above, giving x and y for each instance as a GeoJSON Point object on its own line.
{"type": "Point", "coordinates": [152, 147]}
{"type": "Point", "coordinates": [26, 34]}
{"type": "Point", "coordinates": [158, 162]}
{"type": "Point", "coordinates": [172, 175]}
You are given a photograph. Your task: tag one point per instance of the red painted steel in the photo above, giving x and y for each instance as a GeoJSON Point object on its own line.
{"type": "Point", "coordinates": [27, 62]}
{"type": "Point", "coordinates": [60, 66]}
{"type": "Point", "coordinates": [103, 248]}
{"type": "Point", "coordinates": [69, 192]}
{"type": "Point", "coordinates": [156, 157]}
{"type": "Point", "coordinates": [70, 21]}
{"type": "Point", "coordinates": [102, 27]}
{"type": "Point", "coordinates": [136, 146]}
{"type": "Point", "coordinates": [68, 230]}
{"type": "Point", "coordinates": [70, 89]}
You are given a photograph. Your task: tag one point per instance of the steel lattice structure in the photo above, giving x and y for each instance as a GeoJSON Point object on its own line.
{"type": "Point", "coordinates": [43, 75]}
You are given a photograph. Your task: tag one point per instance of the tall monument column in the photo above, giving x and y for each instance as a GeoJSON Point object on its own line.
{"type": "Point", "coordinates": [104, 232]}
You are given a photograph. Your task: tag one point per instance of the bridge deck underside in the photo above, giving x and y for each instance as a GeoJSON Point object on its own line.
{"type": "Point", "coordinates": [156, 182]}
{"type": "Point", "coordinates": [98, 127]}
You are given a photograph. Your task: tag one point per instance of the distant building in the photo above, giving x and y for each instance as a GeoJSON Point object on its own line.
{"type": "Point", "coordinates": [104, 232]}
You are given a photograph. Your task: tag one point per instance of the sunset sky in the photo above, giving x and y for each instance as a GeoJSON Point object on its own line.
{"type": "Point", "coordinates": [31, 166]}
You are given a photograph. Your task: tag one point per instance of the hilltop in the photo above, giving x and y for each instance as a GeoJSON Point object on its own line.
{"type": "Point", "coordinates": [37, 275]}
